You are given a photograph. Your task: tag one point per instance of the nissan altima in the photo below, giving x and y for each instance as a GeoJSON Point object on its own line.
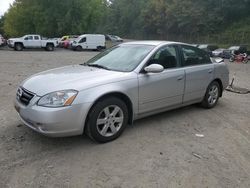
{"type": "Point", "coordinates": [130, 81]}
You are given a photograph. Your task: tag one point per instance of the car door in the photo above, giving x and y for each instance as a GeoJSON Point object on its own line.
{"type": "Point", "coordinates": [83, 43]}
{"type": "Point", "coordinates": [37, 41]}
{"type": "Point", "coordinates": [199, 72]}
{"type": "Point", "coordinates": [165, 89]}
{"type": "Point", "coordinates": [28, 41]}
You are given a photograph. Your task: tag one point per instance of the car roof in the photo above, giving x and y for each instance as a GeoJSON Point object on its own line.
{"type": "Point", "coordinates": [90, 35]}
{"type": "Point", "coordinates": [153, 42]}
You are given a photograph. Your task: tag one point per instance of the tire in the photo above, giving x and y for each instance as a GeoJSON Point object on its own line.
{"type": "Point", "coordinates": [78, 48]}
{"type": "Point", "coordinates": [50, 47]}
{"type": "Point", "coordinates": [112, 114]}
{"type": "Point", "coordinates": [18, 47]}
{"type": "Point", "coordinates": [245, 61]}
{"type": "Point", "coordinates": [99, 48]}
{"type": "Point", "coordinates": [212, 95]}
{"type": "Point", "coordinates": [231, 59]}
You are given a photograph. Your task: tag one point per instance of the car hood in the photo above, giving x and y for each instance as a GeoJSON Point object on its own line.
{"type": "Point", "coordinates": [15, 38]}
{"type": "Point", "coordinates": [76, 77]}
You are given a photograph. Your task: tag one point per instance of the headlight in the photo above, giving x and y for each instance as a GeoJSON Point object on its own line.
{"type": "Point", "coordinates": [58, 99]}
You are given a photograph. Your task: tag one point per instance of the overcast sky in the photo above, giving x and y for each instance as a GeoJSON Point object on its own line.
{"type": "Point", "coordinates": [4, 5]}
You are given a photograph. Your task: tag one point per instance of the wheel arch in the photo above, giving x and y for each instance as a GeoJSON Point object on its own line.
{"type": "Point", "coordinates": [120, 96]}
{"type": "Point", "coordinates": [50, 43]}
{"type": "Point", "coordinates": [79, 47]}
{"type": "Point", "coordinates": [18, 43]}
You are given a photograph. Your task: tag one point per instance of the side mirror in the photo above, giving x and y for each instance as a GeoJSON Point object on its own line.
{"type": "Point", "coordinates": [154, 68]}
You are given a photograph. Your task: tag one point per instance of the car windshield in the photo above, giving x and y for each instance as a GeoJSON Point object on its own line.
{"type": "Point", "coordinates": [124, 58]}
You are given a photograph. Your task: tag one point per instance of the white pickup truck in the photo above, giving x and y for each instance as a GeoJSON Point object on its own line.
{"type": "Point", "coordinates": [31, 41]}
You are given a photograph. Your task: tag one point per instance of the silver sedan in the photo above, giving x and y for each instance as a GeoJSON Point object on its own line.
{"type": "Point", "coordinates": [127, 82]}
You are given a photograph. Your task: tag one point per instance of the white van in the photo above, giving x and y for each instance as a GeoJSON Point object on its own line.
{"type": "Point", "coordinates": [89, 41]}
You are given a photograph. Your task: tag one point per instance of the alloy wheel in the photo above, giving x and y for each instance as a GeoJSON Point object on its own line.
{"type": "Point", "coordinates": [213, 95]}
{"type": "Point", "coordinates": [110, 120]}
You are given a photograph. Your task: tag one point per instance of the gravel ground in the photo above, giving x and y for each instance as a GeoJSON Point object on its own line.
{"type": "Point", "coordinates": [158, 151]}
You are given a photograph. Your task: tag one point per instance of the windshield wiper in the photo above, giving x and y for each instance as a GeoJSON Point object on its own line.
{"type": "Point", "coordinates": [97, 66]}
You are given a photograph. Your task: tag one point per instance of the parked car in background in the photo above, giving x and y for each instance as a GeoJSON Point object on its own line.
{"type": "Point", "coordinates": [89, 41]}
{"type": "Point", "coordinates": [66, 41]}
{"type": "Point", "coordinates": [226, 54]}
{"type": "Point", "coordinates": [113, 38]}
{"type": "Point", "coordinates": [240, 49]}
{"type": "Point", "coordinates": [64, 38]}
{"type": "Point", "coordinates": [230, 51]}
{"type": "Point", "coordinates": [127, 82]}
{"type": "Point", "coordinates": [2, 41]}
{"type": "Point", "coordinates": [218, 52]}
{"type": "Point", "coordinates": [208, 48]}
{"type": "Point", "coordinates": [31, 41]}
{"type": "Point", "coordinates": [118, 39]}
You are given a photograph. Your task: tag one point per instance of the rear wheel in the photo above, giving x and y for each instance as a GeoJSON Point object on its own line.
{"type": "Point", "coordinates": [99, 48]}
{"type": "Point", "coordinates": [107, 120]}
{"type": "Point", "coordinates": [50, 47]}
{"type": "Point", "coordinates": [18, 47]}
{"type": "Point", "coordinates": [212, 95]}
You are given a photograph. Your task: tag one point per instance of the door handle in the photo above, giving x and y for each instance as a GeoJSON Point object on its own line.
{"type": "Point", "coordinates": [180, 78]}
{"type": "Point", "coordinates": [210, 71]}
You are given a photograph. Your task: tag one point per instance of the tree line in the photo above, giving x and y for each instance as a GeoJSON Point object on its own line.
{"type": "Point", "coordinates": [224, 21]}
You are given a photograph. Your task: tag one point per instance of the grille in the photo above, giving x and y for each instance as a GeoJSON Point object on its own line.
{"type": "Point", "coordinates": [24, 96]}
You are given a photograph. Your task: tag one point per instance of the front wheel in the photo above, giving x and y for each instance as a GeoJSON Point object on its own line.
{"type": "Point", "coordinates": [78, 48]}
{"type": "Point", "coordinates": [107, 120]}
{"type": "Point", "coordinates": [231, 59]}
{"type": "Point", "coordinates": [212, 95]}
{"type": "Point", "coordinates": [18, 47]}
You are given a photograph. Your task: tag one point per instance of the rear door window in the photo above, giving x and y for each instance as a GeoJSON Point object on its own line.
{"type": "Point", "coordinates": [30, 37]}
{"type": "Point", "coordinates": [194, 56]}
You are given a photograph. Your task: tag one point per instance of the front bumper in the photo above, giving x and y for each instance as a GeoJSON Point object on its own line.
{"type": "Point", "coordinates": [10, 45]}
{"type": "Point", "coordinates": [73, 47]}
{"type": "Point", "coordinates": [53, 122]}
